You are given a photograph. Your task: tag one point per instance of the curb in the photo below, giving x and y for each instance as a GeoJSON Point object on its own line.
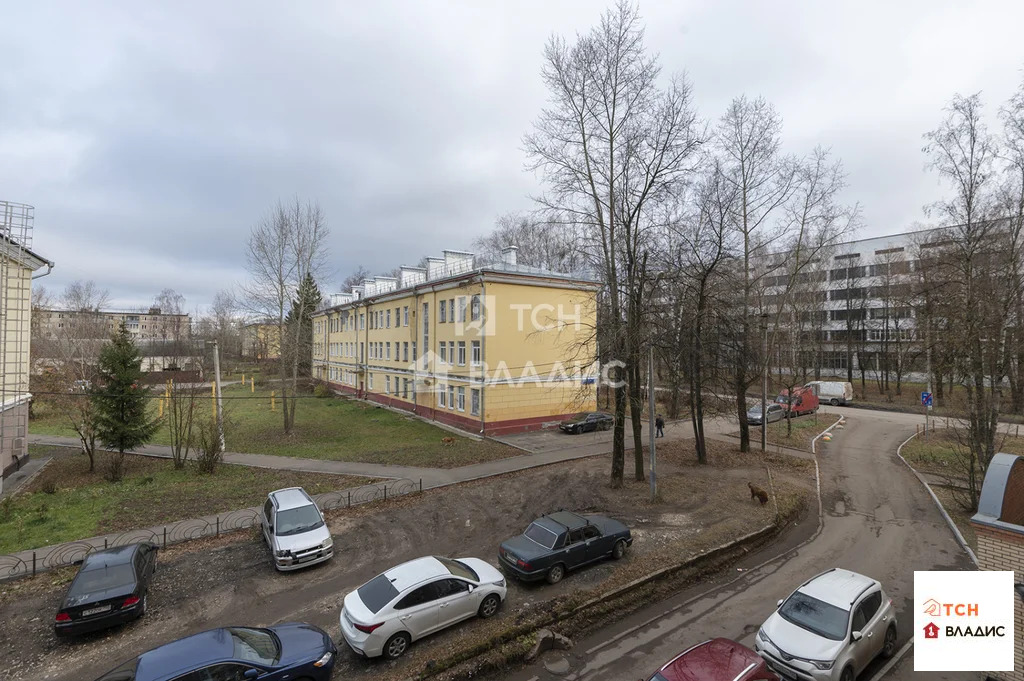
{"type": "Point", "coordinates": [949, 521]}
{"type": "Point", "coordinates": [815, 439]}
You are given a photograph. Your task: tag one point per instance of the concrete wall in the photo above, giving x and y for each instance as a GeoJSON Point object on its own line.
{"type": "Point", "coordinates": [14, 445]}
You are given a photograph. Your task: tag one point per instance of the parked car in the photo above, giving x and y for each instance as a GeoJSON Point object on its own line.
{"type": "Point", "coordinates": [283, 651]}
{"type": "Point", "coordinates": [775, 412]}
{"type": "Point", "coordinates": [418, 598]}
{"type": "Point", "coordinates": [716, 660]}
{"type": "Point", "coordinates": [295, 530]}
{"type": "Point", "coordinates": [586, 422]}
{"type": "Point", "coordinates": [829, 629]}
{"type": "Point", "coordinates": [109, 589]}
{"type": "Point", "coordinates": [804, 401]}
{"type": "Point", "coordinates": [558, 542]}
{"type": "Point", "coordinates": [833, 392]}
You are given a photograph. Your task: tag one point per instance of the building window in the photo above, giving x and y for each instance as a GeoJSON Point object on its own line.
{"type": "Point", "coordinates": [476, 356]}
{"type": "Point", "coordinates": [387, 323]}
{"type": "Point", "coordinates": [387, 385]}
{"type": "Point", "coordinates": [398, 323]}
{"type": "Point", "coordinates": [443, 348]}
{"type": "Point", "coordinates": [387, 346]}
{"type": "Point", "coordinates": [462, 308]}
{"type": "Point", "coordinates": [405, 351]}
{"type": "Point", "coordinates": [426, 328]}
{"type": "Point", "coordinates": [474, 309]}
{"type": "Point", "coordinates": [462, 399]}
{"type": "Point", "coordinates": [362, 322]}
{"type": "Point", "coordinates": [405, 316]}
{"type": "Point", "coordinates": [405, 388]}
{"type": "Point", "coordinates": [442, 396]}
{"type": "Point", "coordinates": [369, 382]}
{"type": "Point", "coordinates": [462, 353]}
{"type": "Point", "coordinates": [474, 401]}
{"type": "Point", "coordinates": [442, 316]}
{"type": "Point", "coordinates": [414, 352]}
{"type": "Point", "coordinates": [451, 397]}
{"type": "Point", "coordinates": [451, 309]}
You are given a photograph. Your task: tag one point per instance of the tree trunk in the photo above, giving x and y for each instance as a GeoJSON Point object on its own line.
{"type": "Point", "coordinates": [636, 409]}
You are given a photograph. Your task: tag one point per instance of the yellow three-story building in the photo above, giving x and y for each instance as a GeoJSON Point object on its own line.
{"type": "Point", "coordinates": [491, 349]}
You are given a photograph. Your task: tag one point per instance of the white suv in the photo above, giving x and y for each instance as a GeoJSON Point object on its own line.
{"type": "Point", "coordinates": [294, 529]}
{"type": "Point", "coordinates": [829, 629]}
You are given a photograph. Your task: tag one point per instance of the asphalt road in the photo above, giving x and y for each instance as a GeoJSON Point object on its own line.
{"type": "Point", "coordinates": [878, 520]}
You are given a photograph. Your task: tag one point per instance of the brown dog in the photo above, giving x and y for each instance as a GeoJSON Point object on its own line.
{"type": "Point", "coordinates": [448, 441]}
{"type": "Point", "coordinates": [758, 493]}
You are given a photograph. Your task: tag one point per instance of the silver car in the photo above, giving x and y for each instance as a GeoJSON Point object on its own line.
{"type": "Point", "coordinates": [829, 629]}
{"type": "Point", "coordinates": [295, 530]}
{"type": "Point", "coordinates": [775, 412]}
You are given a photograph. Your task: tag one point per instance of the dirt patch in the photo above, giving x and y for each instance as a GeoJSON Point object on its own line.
{"type": "Point", "coordinates": [230, 581]}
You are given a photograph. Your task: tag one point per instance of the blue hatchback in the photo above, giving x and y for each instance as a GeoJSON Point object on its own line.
{"type": "Point", "coordinates": [283, 651]}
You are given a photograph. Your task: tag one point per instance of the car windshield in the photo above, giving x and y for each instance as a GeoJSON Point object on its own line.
{"type": "Point", "coordinates": [377, 593]}
{"type": "Point", "coordinates": [541, 535]}
{"type": "Point", "coordinates": [255, 645]}
{"type": "Point", "coordinates": [103, 578]}
{"type": "Point", "coordinates": [459, 569]}
{"type": "Point", "coordinates": [756, 409]}
{"type": "Point", "coordinates": [296, 520]}
{"type": "Point", "coordinates": [816, 616]}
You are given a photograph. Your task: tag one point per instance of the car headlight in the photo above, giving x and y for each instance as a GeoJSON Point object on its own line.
{"type": "Point", "coordinates": [327, 544]}
{"type": "Point", "coordinates": [763, 636]}
{"type": "Point", "coordinates": [282, 553]}
{"type": "Point", "coordinates": [501, 583]}
{"type": "Point", "coordinates": [823, 665]}
{"type": "Point", "coordinates": [323, 661]}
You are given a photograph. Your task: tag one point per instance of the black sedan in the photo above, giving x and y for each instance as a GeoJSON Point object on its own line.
{"type": "Point", "coordinates": [109, 589]}
{"type": "Point", "coordinates": [283, 651]}
{"type": "Point", "coordinates": [587, 421]}
{"type": "Point", "coordinates": [562, 541]}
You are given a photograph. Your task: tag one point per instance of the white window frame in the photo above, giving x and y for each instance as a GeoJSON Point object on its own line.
{"type": "Point", "coordinates": [451, 308]}
{"type": "Point", "coordinates": [451, 352]}
{"type": "Point", "coordinates": [476, 356]}
{"type": "Point", "coordinates": [442, 316]}
{"type": "Point", "coordinates": [387, 385]}
{"type": "Point", "coordinates": [387, 322]}
{"type": "Point", "coordinates": [442, 396]}
{"type": "Point", "coordinates": [405, 316]}
{"type": "Point", "coordinates": [387, 351]}
{"type": "Point", "coordinates": [442, 352]}
{"type": "Point", "coordinates": [462, 353]}
{"type": "Point", "coordinates": [461, 396]}
{"type": "Point", "coordinates": [451, 397]}
{"type": "Point", "coordinates": [474, 401]}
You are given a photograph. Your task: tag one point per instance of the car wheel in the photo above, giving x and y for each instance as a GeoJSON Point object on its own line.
{"type": "Point", "coordinates": [555, 574]}
{"type": "Point", "coordinates": [396, 646]}
{"type": "Point", "coordinates": [847, 674]}
{"type": "Point", "coordinates": [889, 647]}
{"type": "Point", "coordinates": [489, 606]}
{"type": "Point", "coordinates": [834, 402]}
{"type": "Point", "coordinates": [619, 550]}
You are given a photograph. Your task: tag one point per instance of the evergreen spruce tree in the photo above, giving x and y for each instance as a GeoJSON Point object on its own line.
{"type": "Point", "coordinates": [121, 403]}
{"type": "Point", "coordinates": [307, 300]}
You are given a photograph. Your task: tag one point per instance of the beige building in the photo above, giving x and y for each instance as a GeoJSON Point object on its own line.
{"type": "Point", "coordinates": [261, 340]}
{"type": "Point", "coordinates": [490, 348]}
{"type": "Point", "coordinates": [151, 325]}
{"type": "Point", "coordinates": [17, 265]}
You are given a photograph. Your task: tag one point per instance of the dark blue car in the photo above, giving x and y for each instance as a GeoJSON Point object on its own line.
{"type": "Point", "coordinates": [290, 651]}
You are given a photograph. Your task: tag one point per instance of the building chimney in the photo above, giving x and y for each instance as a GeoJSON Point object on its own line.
{"type": "Point", "coordinates": [412, 275]}
{"type": "Point", "coordinates": [435, 268]}
{"type": "Point", "coordinates": [457, 262]}
{"type": "Point", "coordinates": [509, 255]}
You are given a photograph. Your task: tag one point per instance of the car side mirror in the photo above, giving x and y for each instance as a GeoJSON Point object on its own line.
{"type": "Point", "coordinates": [251, 674]}
{"type": "Point", "coordinates": [779, 604]}
{"type": "Point", "coordinates": [857, 636]}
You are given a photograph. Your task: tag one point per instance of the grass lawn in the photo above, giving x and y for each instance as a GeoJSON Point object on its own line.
{"type": "Point", "coordinates": [338, 429]}
{"type": "Point", "coordinates": [937, 453]}
{"type": "Point", "coordinates": [805, 429]}
{"type": "Point", "coordinates": [65, 502]}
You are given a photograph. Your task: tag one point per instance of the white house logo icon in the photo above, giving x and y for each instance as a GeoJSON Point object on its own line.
{"type": "Point", "coordinates": [933, 608]}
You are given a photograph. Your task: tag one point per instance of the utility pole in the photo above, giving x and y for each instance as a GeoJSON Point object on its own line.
{"type": "Point", "coordinates": [650, 422]}
{"type": "Point", "coordinates": [764, 383]}
{"type": "Point", "coordinates": [216, 385]}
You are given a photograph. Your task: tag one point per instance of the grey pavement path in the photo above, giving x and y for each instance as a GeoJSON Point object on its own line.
{"type": "Point", "coordinates": [400, 480]}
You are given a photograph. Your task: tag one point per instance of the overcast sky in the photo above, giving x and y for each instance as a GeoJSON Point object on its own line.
{"type": "Point", "coordinates": [150, 139]}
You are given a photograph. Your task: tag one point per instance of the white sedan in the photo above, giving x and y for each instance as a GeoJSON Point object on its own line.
{"type": "Point", "coordinates": [415, 599]}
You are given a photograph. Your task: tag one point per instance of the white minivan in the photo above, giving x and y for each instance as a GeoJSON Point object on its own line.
{"type": "Point", "coordinates": [832, 392]}
{"type": "Point", "coordinates": [295, 530]}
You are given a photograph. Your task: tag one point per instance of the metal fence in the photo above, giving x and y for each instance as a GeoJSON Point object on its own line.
{"type": "Point", "coordinates": [29, 563]}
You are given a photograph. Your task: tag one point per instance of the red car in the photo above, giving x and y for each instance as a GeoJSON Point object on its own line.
{"type": "Point", "coordinates": [716, 660]}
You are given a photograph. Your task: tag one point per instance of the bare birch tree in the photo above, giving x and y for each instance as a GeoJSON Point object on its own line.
{"type": "Point", "coordinates": [285, 247]}
{"type": "Point", "coordinates": [611, 145]}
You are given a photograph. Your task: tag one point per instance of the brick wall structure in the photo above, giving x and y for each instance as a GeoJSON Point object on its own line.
{"type": "Point", "coordinates": [999, 525]}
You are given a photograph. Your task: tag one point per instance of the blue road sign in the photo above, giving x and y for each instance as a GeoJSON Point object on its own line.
{"type": "Point", "coordinates": [926, 399]}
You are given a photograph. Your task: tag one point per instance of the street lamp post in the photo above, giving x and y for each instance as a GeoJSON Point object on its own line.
{"type": "Point", "coordinates": [764, 382]}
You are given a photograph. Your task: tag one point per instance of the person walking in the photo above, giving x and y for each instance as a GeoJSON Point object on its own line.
{"type": "Point", "coordinates": [659, 423]}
